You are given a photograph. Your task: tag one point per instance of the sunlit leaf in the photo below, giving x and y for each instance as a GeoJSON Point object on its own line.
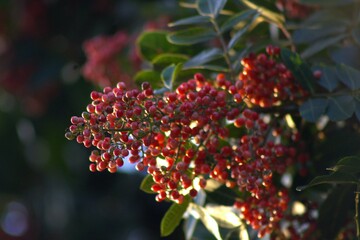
{"type": "Point", "coordinates": [267, 9]}
{"type": "Point", "coordinates": [340, 107]}
{"type": "Point", "coordinates": [224, 216]}
{"type": "Point", "coordinates": [210, 8]}
{"type": "Point", "coordinates": [349, 76]}
{"type": "Point", "coordinates": [322, 44]}
{"type": "Point", "coordinates": [190, 20]}
{"type": "Point", "coordinates": [208, 221]}
{"type": "Point", "coordinates": [237, 18]}
{"type": "Point", "coordinates": [191, 36]}
{"type": "Point", "coordinates": [169, 75]}
{"type": "Point", "coordinates": [313, 108]}
{"type": "Point", "coordinates": [146, 184]}
{"type": "Point", "coordinates": [335, 177]}
{"type": "Point", "coordinates": [204, 57]}
{"type": "Point", "coordinates": [173, 217]}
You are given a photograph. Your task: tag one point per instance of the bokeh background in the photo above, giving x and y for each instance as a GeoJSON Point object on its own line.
{"type": "Point", "coordinates": [46, 189]}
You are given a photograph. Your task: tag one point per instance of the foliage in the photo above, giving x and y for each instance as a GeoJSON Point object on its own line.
{"type": "Point", "coordinates": [236, 105]}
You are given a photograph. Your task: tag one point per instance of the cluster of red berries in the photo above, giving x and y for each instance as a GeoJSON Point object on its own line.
{"type": "Point", "coordinates": [182, 138]}
{"type": "Point", "coordinates": [265, 81]}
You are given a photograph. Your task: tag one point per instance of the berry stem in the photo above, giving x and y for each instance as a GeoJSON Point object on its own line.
{"type": "Point", "coordinates": [224, 47]}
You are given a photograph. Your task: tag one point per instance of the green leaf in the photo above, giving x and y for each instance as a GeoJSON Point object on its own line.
{"type": "Point", "coordinates": [335, 177]}
{"type": "Point", "coordinates": [208, 221]}
{"type": "Point", "coordinates": [349, 164]}
{"type": "Point", "coordinates": [356, 35]}
{"type": "Point", "coordinates": [349, 76]}
{"type": "Point", "coordinates": [146, 184]}
{"type": "Point", "coordinates": [191, 36]}
{"type": "Point", "coordinates": [190, 20]}
{"type": "Point", "coordinates": [236, 19]}
{"type": "Point", "coordinates": [329, 79]}
{"type": "Point", "coordinates": [165, 59]}
{"type": "Point", "coordinates": [150, 76]}
{"type": "Point", "coordinates": [210, 8]}
{"type": "Point", "coordinates": [340, 107]}
{"type": "Point", "coordinates": [357, 108]}
{"type": "Point", "coordinates": [210, 67]}
{"type": "Point", "coordinates": [238, 34]}
{"type": "Point", "coordinates": [299, 69]}
{"type": "Point", "coordinates": [169, 75]}
{"type": "Point", "coordinates": [349, 55]}
{"type": "Point", "coordinates": [322, 44]}
{"type": "Point", "coordinates": [313, 108]}
{"type": "Point", "coordinates": [309, 35]}
{"type": "Point", "coordinates": [173, 217]}
{"type": "Point", "coordinates": [153, 43]}
{"type": "Point", "coordinates": [267, 9]}
{"type": "Point", "coordinates": [204, 57]}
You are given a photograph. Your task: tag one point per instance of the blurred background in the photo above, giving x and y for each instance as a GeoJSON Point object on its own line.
{"type": "Point", "coordinates": [46, 48]}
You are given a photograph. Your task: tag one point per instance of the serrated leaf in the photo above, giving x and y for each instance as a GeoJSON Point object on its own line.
{"type": "Point", "coordinates": [355, 33]}
{"type": "Point", "coordinates": [349, 164]}
{"type": "Point", "coordinates": [204, 57]}
{"type": "Point", "coordinates": [267, 9]}
{"type": "Point", "coordinates": [190, 20]}
{"type": "Point", "coordinates": [349, 76]}
{"type": "Point", "coordinates": [322, 44]}
{"type": "Point", "coordinates": [340, 107]}
{"type": "Point", "coordinates": [312, 109]}
{"type": "Point", "coordinates": [299, 69]}
{"type": "Point", "coordinates": [236, 19]}
{"type": "Point", "coordinates": [191, 36]}
{"type": "Point", "coordinates": [173, 217]}
{"type": "Point", "coordinates": [153, 43]}
{"type": "Point", "coordinates": [208, 221]}
{"type": "Point", "coordinates": [210, 8]}
{"type": "Point", "coordinates": [329, 79]}
{"type": "Point", "coordinates": [335, 177]}
{"type": "Point", "coordinates": [146, 184]}
{"type": "Point", "coordinates": [169, 75]}
{"type": "Point", "coordinates": [165, 59]}
{"type": "Point", "coordinates": [224, 216]}
{"type": "Point", "coordinates": [150, 76]}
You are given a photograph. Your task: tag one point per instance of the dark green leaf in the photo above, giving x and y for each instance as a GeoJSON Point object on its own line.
{"type": "Point", "coordinates": [349, 164]}
{"type": "Point", "coordinates": [210, 8]}
{"type": "Point", "coordinates": [190, 20]}
{"type": "Point", "coordinates": [309, 35]}
{"type": "Point", "coordinates": [335, 177]}
{"type": "Point", "coordinates": [267, 9]}
{"type": "Point", "coordinates": [239, 33]}
{"type": "Point", "coordinates": [204, 57]}
{"type": "Point", "coordinates": [340, 107]}
{"type": "Point", "coordinates": [357, 108]}
{"type": "Point", "coordinates": [321, 44]}
{"type": "Point", "coordinates": [146, 184]}
{"type": "Point", "coordinates": [166, 59]}
{"type": "Point", "coordinates": [356, 35]}
{"type": "Point", "coordinates": [191, 36]}
{"type": "Point", "coordinates": [329, 79]}
{"type": "Point", "coordinates": [349, 76]}
{"type": "Point", "coordinates": [299, 68]}
{"type": "Point", "coordinates": [150, 76]}
{"type": "Point", "coordinates": [169, 75]}
{"type": "Point", "coordinates": [349, 55]}
{"type": "Point", "coordinates": [173, 217]}
{"type": "Point", "coordinates": [215, 68]}
{"type": "Point", "coordinates": [237, 18]}
{"type": "Point", "coordinates": [313, 108]}
{"type": "Point", "coordinates": [333, 212]}
{"type": "Point", "coordinates": [153, 43]}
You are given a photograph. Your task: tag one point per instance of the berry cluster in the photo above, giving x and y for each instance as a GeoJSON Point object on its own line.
{"type": "Point", "coordinates": [182, 138]}
{"type": "Point", "coordinates": [266, 82]}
